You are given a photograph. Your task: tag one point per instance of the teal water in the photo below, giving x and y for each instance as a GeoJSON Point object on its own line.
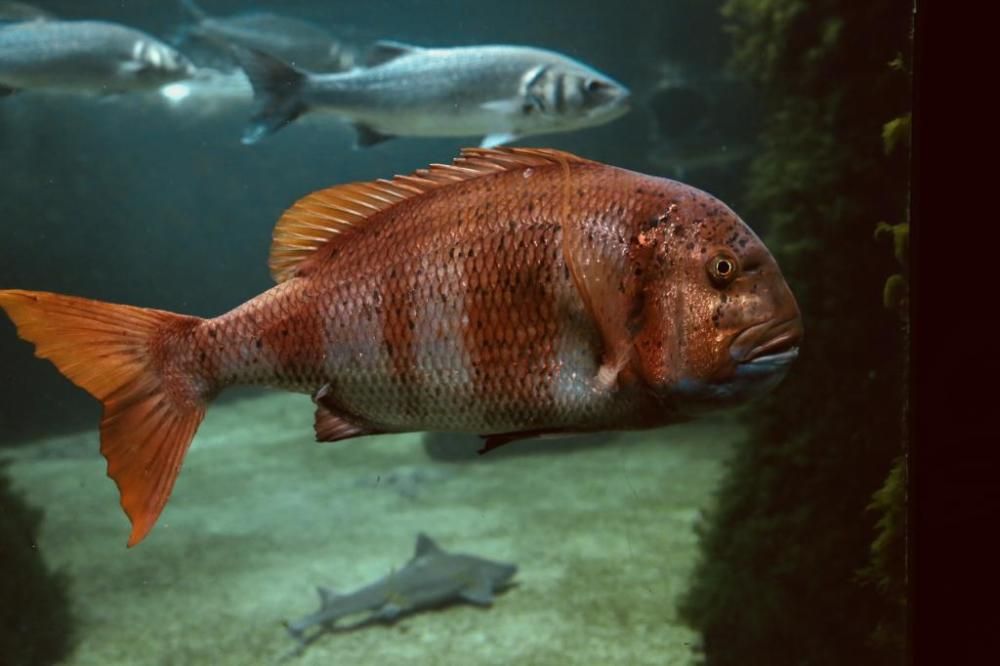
{"type": "Point", "coordinates": [133, 199]}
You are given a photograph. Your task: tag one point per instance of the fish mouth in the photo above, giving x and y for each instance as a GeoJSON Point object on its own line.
{"type": "Point", "coordinates": [768, 343]}
{"type": "Point", "coordinates": [616, 101]}
{"type": "Point", "coordinates": [622, 102]}
{"type": "Point", "coordinates": [608, 112]}
{"type": "Point", "coordinates": [774, 361]}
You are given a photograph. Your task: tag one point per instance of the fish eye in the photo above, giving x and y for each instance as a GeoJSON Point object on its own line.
{"type": "Point", "coordinates": [593, 85]}
{"type": "Point", "coordinates": [722, 269]}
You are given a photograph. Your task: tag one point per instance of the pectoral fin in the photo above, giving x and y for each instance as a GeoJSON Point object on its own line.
{"type": "Point", "coordinates": [131, 67]}
{"type": "Point", "coordinates": [389, 612]}
{"type": "Point", "coordinates": [599, 263]}
{"type": "Point", "coordinates": [480, 592]}
{"type": "Point", "coordinates": [493, 140]}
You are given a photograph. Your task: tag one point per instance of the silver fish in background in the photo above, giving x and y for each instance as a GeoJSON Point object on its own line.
{"type": "Point", "coordinates": [209, 92]}
{"type": "Point", "coordinates": [500, 92]}
{"type": "Point", "coordinates": [22, 11]}
{"type": "Point", "coordinates": [87, 56]}
{"type": "Point", "coordinates": [301, 43]}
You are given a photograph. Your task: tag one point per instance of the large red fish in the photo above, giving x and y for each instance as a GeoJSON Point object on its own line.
{"type": "Point", "coordinates": [516, 292]}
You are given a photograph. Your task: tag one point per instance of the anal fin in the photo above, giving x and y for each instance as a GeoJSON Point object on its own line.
{"type": "Point", "coordinates": [332, 427]}
{"type": "Point", "coordinates": [497, 440]}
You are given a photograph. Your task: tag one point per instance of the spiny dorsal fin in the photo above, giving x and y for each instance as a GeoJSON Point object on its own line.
{"type": "Point", "coordinates": [333, 214]}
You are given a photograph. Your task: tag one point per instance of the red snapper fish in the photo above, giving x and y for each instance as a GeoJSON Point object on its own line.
{"type": "Point", "coordinates": [517, 292]}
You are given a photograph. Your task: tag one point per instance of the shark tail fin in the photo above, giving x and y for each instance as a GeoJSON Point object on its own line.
{"type": "Point", "coordinates": [278, 89]}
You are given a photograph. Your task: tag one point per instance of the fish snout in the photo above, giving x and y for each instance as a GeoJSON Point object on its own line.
{"type": "Point", "coordinates": [608, 99]}
{"type": "Point", "coordinates": [624, 94]}
{"type": "Point", "coordinates": [611, 92]}
{"type": "Point", "coordinates": [504, 574]}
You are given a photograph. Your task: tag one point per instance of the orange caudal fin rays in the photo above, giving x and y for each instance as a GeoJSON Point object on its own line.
{"type": "Point", "coordinates": [125, 357]}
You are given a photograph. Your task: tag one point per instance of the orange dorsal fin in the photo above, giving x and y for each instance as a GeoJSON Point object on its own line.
{"type": "Point", "coordinates": [334, 214]}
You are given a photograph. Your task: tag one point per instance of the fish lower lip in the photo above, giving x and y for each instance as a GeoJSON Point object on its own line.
{"type": "Point", "coordinates": [775, 358]}
{"type": "Point", "coordinates": [779, 339]}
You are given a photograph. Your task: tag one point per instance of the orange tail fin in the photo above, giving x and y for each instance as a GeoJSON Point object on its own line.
{"type": "Point", "coordinates": [126, 357]}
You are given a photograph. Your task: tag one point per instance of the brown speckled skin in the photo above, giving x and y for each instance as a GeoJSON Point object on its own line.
{"type": "Point", "coordinates": [490, 306]}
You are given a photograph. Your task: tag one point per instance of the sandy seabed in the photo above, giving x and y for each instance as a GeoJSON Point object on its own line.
{"type": "Point", "coordinates": [602, 529]}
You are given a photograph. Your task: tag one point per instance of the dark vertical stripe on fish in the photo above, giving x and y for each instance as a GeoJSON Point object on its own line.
{"type": "Point", "coordinates": [399, 336]}
{"type": "Point", "coordinates": [511, 325]}
{"type": "Point", "coordinates": [560, 94]}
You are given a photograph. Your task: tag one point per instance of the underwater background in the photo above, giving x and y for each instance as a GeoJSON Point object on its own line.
{"type": "Point", "coordinates": [771, 536]}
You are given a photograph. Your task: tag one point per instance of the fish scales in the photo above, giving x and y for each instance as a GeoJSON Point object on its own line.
{"type": "Point", "coordinates": [518, 292]}
{"type": "Point", "coordinates": [454, 310]}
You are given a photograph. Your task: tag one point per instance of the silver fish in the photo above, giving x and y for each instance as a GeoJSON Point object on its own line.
{"type": "Point", "coordinates": [209, 92]}
{"type": "Point", "coordinates": [22, 11]}
{"type": "Point", "coordinates": [299, 42]}
{"type": "Point", "coordinates": [92, 56]}
{"type": "Point", "coordinates": [500, 92]}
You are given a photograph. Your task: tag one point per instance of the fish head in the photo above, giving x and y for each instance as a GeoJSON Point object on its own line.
{"type": "Point", "coordinates": [720, 324]}
{"type": "Point", "coordinates": [156, 62]}
{"type": "Point", "coordinates": [567, 95]}
{"type": "Point", "coordinates": [498, 573]}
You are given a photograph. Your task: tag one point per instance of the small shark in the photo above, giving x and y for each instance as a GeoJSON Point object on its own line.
{"type": "Point", "coordinates": [432, 577]}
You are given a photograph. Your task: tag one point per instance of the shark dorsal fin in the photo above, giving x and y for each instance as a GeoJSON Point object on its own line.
{"type": "Point", "coordinates": [333, 215]}
{"type": "Point", "coordinates": [426, 546]}
{"type": "Point", "coordinates": [385, 50]}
